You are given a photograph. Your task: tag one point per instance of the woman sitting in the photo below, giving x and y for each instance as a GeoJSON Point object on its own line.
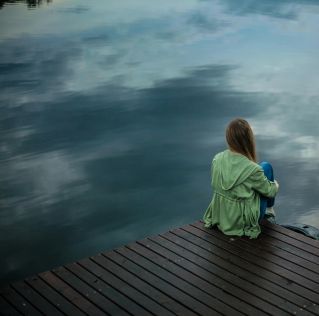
{"type": "Point", "coordinates": [244, 191]}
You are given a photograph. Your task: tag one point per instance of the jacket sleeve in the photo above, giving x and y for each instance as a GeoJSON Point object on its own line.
{"type": "Point", "coordinates": [262, 185]}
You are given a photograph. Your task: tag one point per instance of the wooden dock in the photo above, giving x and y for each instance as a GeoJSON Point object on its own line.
{"type": "Point", "coordinates": [186, 271]}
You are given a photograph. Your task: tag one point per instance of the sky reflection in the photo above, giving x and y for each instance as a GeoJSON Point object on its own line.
{"type": "Point", "coordinates": [109, 123]}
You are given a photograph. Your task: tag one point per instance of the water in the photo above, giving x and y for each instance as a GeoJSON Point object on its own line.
{"type": "Point", "coordinates": [111, 112]}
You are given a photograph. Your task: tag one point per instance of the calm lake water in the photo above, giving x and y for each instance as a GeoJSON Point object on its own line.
{"type": "Point", "coordinates": [111, 111]}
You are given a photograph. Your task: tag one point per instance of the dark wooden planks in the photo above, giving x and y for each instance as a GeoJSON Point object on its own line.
{"type": "Point", "coordinates": [290, 271]}
{"type": "Point", "coordinates": [19, 302]}
{"type": "Point", "coordinates": [248, 275]}
{"type": "Point", "coordinates": [136, 290]}
{"type": "Point", "coordinates": [191, 270]}
{"type": "Point", "coordinates": [53, 296]}
{"type": "Point", "coordinates": [148, 284]}
{"type": "Point", "coordinates": [157, 244]}
{"type": "Point", "coordinates": [287, 247]}
{"type": "Point", "coordinates": [32, 296]}
{"type": "Point", "coordinates": [255, 248]}
{"type": "Point", "coordinates": [6, 309]}
{"type": "Point", "coordinates": [126, 305]}
{"type": "Point", "coordinates": [176, 300]}
{"type": "Point", "coordinates": [70, 294]}
{"type": "Point", "coordinates": [283, 242]}
{"type": "Point", "coordinates": [282, 250]}
{"type": "Point", "coordinates": [292, 234]}
{"type": "Point", "coordinates": [311, 251]}
{"type": "Point", "coordinates": [231, 283]}
{"type": "Point", "coordinates": [103, 303]}
{"type": "Point", "coordinates": [201, 290]}
{"type": "Point", "coordinates": [275, 273]}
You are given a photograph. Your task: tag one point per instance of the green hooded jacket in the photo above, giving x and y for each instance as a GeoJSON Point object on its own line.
{"type": "Point", "coordinates": [237, 185]}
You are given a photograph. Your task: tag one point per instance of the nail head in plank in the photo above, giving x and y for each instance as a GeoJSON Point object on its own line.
{"type": "Point", "coordinates": [53, 296]}
{"type": "Point", "coordinates": [69, 293]}
{"type": "Point", "coordinates": [128, 306]}
{"type": "Point", "coordinates": [129, 290]}
{"type": "Point", "coordinates": [176, 300]}
{"type": "Point", "coordinates": [19, 302]}
{"type": "Point", "coordinates": [37, 300]}
{"type": "Point", "coordinates": [178, 277]}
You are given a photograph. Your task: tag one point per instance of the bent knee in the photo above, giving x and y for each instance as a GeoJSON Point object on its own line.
{"type": "Point", "coordinates": [268, 171]}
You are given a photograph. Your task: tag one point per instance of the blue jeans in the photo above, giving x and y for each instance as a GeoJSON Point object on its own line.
{"type": "Point", "coordinates": [265, 201]}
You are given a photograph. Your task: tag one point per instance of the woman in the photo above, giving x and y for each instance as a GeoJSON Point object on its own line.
{"type": "Point", "coordinates": [243, 190]}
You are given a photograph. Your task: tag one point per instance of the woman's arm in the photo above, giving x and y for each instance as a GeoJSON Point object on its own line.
{"type": "Point", "coordinates": [262, 185]}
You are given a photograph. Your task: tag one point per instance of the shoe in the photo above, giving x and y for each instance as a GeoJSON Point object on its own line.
{"type": "Point", "coordinates": [270, 211]}
{"type": "Point", "coordinates": [270, 219]}
{"type": "Point", "coordinates": [270, 215]}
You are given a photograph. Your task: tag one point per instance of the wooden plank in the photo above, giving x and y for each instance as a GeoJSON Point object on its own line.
{"type": "Point", "coordinates": [262, 262]}
{"type": "Point", "coordinates": [253, 293]}
{"type": "Point", "coordinates": [271, 245]}
{"type": "Point", "coordinates": [304, 247]}
{"type": "Point", "coordinates": [69, 293]}
{"type": "Point", "coordinates": [90, 293]}
{"type": "Point", "coordinates": [53, 296]}
{"type": "Point", "coordinates": [6, 309]}
{"type": "Point", "coordinates": [213, 296]}
{"type": "Point", "coordinates": [195, 265]}
{"type": "Point", "coordinates": [274, 273]}
{"type": "Point", "coordinates": [275, 295]}
{"type": "Point", "coordinates": [19, 302]}
{"type": "Point", "coordinates": [189, 270]}
{"type": "Point", "coordinates": [127, 305]}
{"type": "Point", "coordinates": [283, 246]}
{"type": "Point", "coordinates": [253, 247]}
{"type": "Point", "coordinates": [130, 290]}
{"type": "Point", "coordinates": [37, 300]}
{"type": "Point", "coordinates": [292, 234]}
{"type": "Point", "coordinates": [278, 243]}
{"type": "Point", "coordinates": [176, 300]}
{"type": "Point", "coordinates": [143, 281]}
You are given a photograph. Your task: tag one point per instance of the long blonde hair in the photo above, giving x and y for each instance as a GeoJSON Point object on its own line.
{"type": "Point", "coordinates": [241, 139]}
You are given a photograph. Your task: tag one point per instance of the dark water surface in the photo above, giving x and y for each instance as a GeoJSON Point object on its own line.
{"type": "Point", "coordinates": [110, 113]}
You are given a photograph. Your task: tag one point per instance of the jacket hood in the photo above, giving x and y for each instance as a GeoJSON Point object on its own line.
{"type": "Point", "coordinates": [231, 169]}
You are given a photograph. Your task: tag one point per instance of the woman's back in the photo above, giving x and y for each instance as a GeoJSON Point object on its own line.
{"type": "Point", "coordinates": [230, 173]}
{"type": "Point", "coordinates": [235, 205]}
{"type": "Point", "coordinates": [239, 185]}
